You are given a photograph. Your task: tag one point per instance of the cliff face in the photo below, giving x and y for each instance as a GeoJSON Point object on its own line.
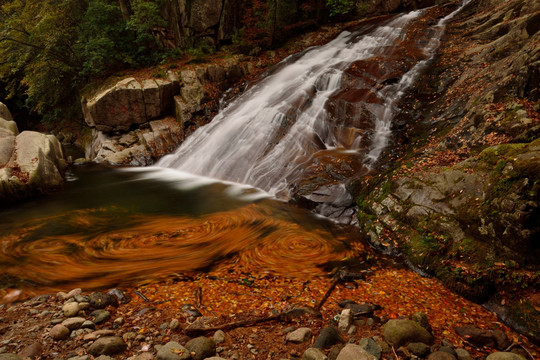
{"type": "Point", "coordinates": [458, 191]}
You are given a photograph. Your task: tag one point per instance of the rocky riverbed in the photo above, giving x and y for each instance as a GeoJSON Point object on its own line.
{"type": "Point", "coordinates": [240, 316]}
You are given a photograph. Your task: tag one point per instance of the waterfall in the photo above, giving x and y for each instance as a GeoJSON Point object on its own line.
{"type": "Point", "coordinates": [265, 136]}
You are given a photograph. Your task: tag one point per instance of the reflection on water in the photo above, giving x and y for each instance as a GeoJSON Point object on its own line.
{"type": "Point", "coordinates": [112, 227]}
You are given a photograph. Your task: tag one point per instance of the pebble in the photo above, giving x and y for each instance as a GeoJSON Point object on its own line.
{"type": "Point", "coordinates": [219, 337]}
{"type": "Point", "coordinates": [174, 324]}
{"type": "Point", "coordinates": [73, 323]}
{"type": "Point", "coordinates": [100, 316]}
{"type": "Point", "coordinates": [71, 309]}
{"type": "Point", "coordinates": [81, 298]}
{"type": "Point", "coordinates": [119, 321]}
{"type": "Point", "coordinates": [79, 332]}
{"type": "Point", "coordinates": [59, 332]}
{"type": "Point", "coordinates": [299, 335]}
{"type": "Point", "coordinates": [73, 293]}
{"type": "Point", "coordinates": [313, 354]}
{"type": "Point", "coordinates": [97, 334]}
{"type": "Point", "coordinates": [88, 325]}
{"type": "Point", "coordinates": [345, 320]}
{"type": "Point", "coordinates": [84, 305]}
{"type": "Point", "coordinates": [352, 330]}
{"type": "Point", "coordinates": [328, 337]}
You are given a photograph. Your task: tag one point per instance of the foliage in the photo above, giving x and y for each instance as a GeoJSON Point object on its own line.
{"type": "Point", "coordinates": [146, 17]}
{"type": "Point", "coordinates": [340, 7]}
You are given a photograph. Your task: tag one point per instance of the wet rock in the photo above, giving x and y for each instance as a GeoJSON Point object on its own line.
{"type": "Point", "coordinates": [354, 352]}
{"type": "Point", "coordinates": [399, 332]}
{"type": "Point", "coordinates": [100, 316]}
{"type": "Point", "coordinates": [109, 345]}
{"type": "Point", "coordinates": [203, 347]}
{"type": "Point", "coordinates": [219, 337]}
{"type": "Point", "coordinates": [31, 351]}
{"type": "Point", "coordinates": [173, 351]}
{"type": "Point", "coordinates": [419, 349]}
{"type": "Point", "coordinates": [73, 323]}
{"type": "Point", "coordinates": [71, 309]}
{"type": "Point", "coordinates": [328, 337]}
{"type": "Point", "coordinates": [504, 356]}
{"type": "Point", "coordinates": [313, 354]}
{"type": "Point", "coordinates": [59, 332]}
{"type": "Point", "coordinates": [101, 301]}
{"type": "Point", "coordinates": [441, 355]}
{"type": "Point", "coordinates": [299, 335]}
{"type": "Point", "coordinates": [476, 336]}
{"type": "Point", "coordinates": [345, 320]}
{"type": "Point", "coordinates": [371, 347]}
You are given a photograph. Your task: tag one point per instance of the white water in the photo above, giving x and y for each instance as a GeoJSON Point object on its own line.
{"type": "Point", "coordinates": [265, 135]}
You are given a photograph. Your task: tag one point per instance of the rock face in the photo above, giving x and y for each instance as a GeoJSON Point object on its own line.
{"type": "Point", "coordinates": [30, 162]}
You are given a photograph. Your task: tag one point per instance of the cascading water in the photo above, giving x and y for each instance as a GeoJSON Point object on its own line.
{"type": "Point", "coordinates": [266, 136]}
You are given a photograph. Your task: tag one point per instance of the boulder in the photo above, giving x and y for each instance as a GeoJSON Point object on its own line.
{"type": "Point", "coordinates": [5, 113]}
{"type": "Point", "coordinates": [501, 355]}
{"type": "Point", "coordinates": [399, 332]}
{"type": "Point", "coordinates": [10, 126]}
{"type": "Point", "coordinates": [476, 336]}
{"type": "Point", "coordinates": [328, 337]}
{"type": "Point", "coordinates": [36, 164]}
{"type": "Point", "coordinates": [313, 354]}
{"type": "Point", "coordinates": [205, 14]}
{"type": "Point", "coordinates": [128, 103]}
{"type": "Point", "coordinates": [201, 347]}
{"type": "Point", "coordinates": [354, 352]}
{"type": "Point", "coordinates": [371, 347]}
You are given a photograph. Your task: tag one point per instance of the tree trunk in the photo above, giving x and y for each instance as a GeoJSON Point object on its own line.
{"type": "Point", "coordinates": [125, 7]}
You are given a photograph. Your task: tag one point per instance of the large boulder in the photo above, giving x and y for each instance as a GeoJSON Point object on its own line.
{"type": "Point", "coordinates": [36, 164]}
{"type": "Point", "coordinates": [128, 103]}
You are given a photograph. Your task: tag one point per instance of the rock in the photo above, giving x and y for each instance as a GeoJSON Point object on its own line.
{"type": "Point", "coordinates": [109, 345]}
{"type": "Point", "coordinates": [219, 337]}
{"type": "Point", "coordinates": [449, 350]}
{"type": "Point", "coordinates": [80, 332]}
{"type": "Point", "coordinates": [299, 335]}
{"type": "Point", "coordinates": [354, 352]}
{"type": "Point", "coordinates": [119, 321]}
{"type": "Point", "coordinates": [173, 351]}
{"type": "Point", "coordinates": [328, 337]}
{"type": "Point", "coordinates": [104, 357]}
{"type": "Point", "coordinates": [7, 146]}
{"type": "Point", "coordinates": [101, 301]}
{"type": "Point", "coordinates": [174, 324]}
{"type": "Point", "coordinates": [371, 347]}
{"type": "Point", "coordinates": [203, 347]}
{"type": "Point", "coordinates": [73, 293]}
{"type": "Point", "coordinates": [501, 340]}
{"type": "Point", "coordinates": [71, 309]}
{"type": "Point", "coordinates": [463, 354]}
{"type": "Point", "coordinates": [59, 332]}
{"type": "Point", "coordinates": [352, 330]}
{"type": "Point", "coordinates": [100, 316]}
{"type": "Point", "coordinates": [10, 357]}
{"type": "Point", "coordinates": [399, 332]}
{"type": "Point", "coordinates": [143, 356]}
{"type": "Point", "coordinates": [419, 349]}
{"type": "Point", "coordinates": [88, 325]}
{"type": "Point", "coordinates": [476, 336]}
{"type": "Point", "coordinates": [501, 355]}
{"type": "Point", "coordinates": [441, 355]}
{"type": "Point", "coordinates": [9, 127]}
{"type": "Point", "coordinates": [5, 113]}
{"type": "Point", "coordinates": [81, 298]}
{"type": "Point", "coordinates": [313, 354]}
{"type": "Point", "coordinates": [421, 318]}
{"type": "Point", "coordinates": [31, 351]}
{"type": "Point", "coordinates": [97, 334]}
{"type": "Point", "coordinates": [361, 309]}
{"type": "Point", "coordinates": [73, 323]}
{"type": "Point", "coordinates": [120, 296]}
{"type": "Point", "coordinates": [345, 320]}
{"type": "Point", "coordinates": [37, 167]}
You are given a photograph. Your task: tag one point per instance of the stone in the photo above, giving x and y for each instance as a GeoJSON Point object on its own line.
{"type": "Point", "coordinates": [345, 320]}
{"type": "Point", "coordinates": [59, 332]}
{"type": "Point", "coordinates": [119, 321]}
{"type": "Point", "coordinates": [419, 349]}
{"type": "Point", "coordinates": [97, 334]}
{"type": "Point", "coordinates": [501, 355]}
{"type": "Point", "coordinates": [361, 309]}
{"type": "Point", "coordinates": [38, 167]}
{"type": "Point", "coordinates": [421, 318]}
{"type": "Point", "coordinates": [73, 293]}
{"type": "Point", "coordinates": [299, 335]}
{"type": "Point", "coordinates": [328, 337]}
{"type": "Point", "coordinates": [219, 337]}
{"type": "Point", "coordinates": [476, 336]}
{"type": "Point", "coordinates": [173, 351]}
{"type": "Point", "coordinates": [399, 332]}
{"type": "Point", "coordinates": [371, 347]}
{"type": "Point", "coordinates": [32, 351]}
{"type": "Point", "coordinates": [104, 357]}
{"type": "Point", "coordinates": [449, 350]}
{"type": "Point", "coordinates": [203, 347]}
{"type": "Point", "coordinates": [101, 301]}
{"type": "Point", "coordinates": [80, 332]}
{"type": "Point", "coordinates": [108, 345]}
{"type": "Point", "coordinates": [10, 356]}
{"type": "Point", "coordinates": [5, 113]}
{"type": "Point", "coordinates": [354, 352]}
{"type": "Point", "coordinates": [9, 127]}
{"type": "Point", "coordinates": [174, 324]}
{"type": "Point", "coordinates": [463, 354]}
{"type": "Point", "coordinates": [100, 316]}
{"type": "Point", "coordinates": [441, 355]}
{"type": "Point", "coordinates": [71, 309]}
{"type": "Point", "coordinates": [7, 146]}
{"type": "Point", "coordinates": [88, 325]}
{"type": "Point", "coordinates": [143, 356]}
{"type": "Point", "coordinates": [501, 340]}
{"type": "Point", "coordinates": [313, 354]}
{"type": "Point", "coordinates": [73, 323]}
